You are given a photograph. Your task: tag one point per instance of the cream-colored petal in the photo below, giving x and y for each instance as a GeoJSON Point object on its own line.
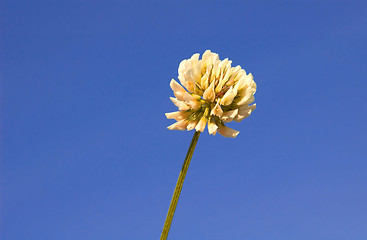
{"type": "Point", "coordinates": [246, 100]}
{"type": "Point", "coordinates": [201, 125]}
{"type": "Point", "coordinates": [195, 58]}
{"type": "Point", "coordinates": [196, 75]}
{"type": "Point", "coordinates": [241, 83]}
{"type": "Point", "coordinates": [191, 125]}
{"type": "Point", "coordinates": [186, 74]}
{"type": "Point", "coordinates": [217, 110]}
{"type": "Point", "coordinates": [209, 58]}
{"type": "Point", "coordinates": [209, 93]}
{"type": "Point", "coordinates": [246, 96]}
{"type": "Point", "coordinates": [249, 82]}
{"type": "Point", "coordinates": [176, 87]}
{"type": "Point", "coordinates": [226, 64]}
{"type": "Point", "coordinates": [205, 79]}
{"type": "Point", "coordinates": [244, 112]}
{"type": "Point", "coordinates": [215, 58]}
{"type": "Point", "coordinates": [212, 127]}
{"type": "Point", "coordinates": [191, 101]}
{"type": "Point", "coordinates": [204, 82]}
{"type": "Point", "coordinates": [236, 70]}
{"type": "Point", "coordinates": [233, 76]}
{"type": "Point", "coordinates": [227, 132]}
{"type": "Point", "coordinates": [195, 68]}
{"type": "Point", "coordinates": [178, 90]}
{"type": "Point", "coordinates": [179, 115]}
{"type": "Point", "coordinates": [219, 87]}
{"type": "Point", "coordinates": [250, 78]}
{"type": "Point", "coordinates": [228, 72]}
{"type": "Point", "coordinates": [182, 67]}
{"type": "Point", "coordinates": [190, 86]}
{"type": "Point", "coordinates": [240, 74]}
{"type": "Point", "coordinates": [181, 106]}
{"type": "Point", "coordinates": [229, 115]}
{"type": "Point", "coordinates": [246, 93]}
{"type": "Point", "coordinates": [187, 81]}
{"type": "Point", "coordinates": [223, 80]}
{"type": "Point", "coordinates": [228, 96]}
{"type": "Point", "coordinates": [215, 71]}
{"type": "Point", "coordinates": [205, 61]}
{"type": "Point", "coordinates": [183, 80]}
{"type": "Point", "coordinates": [223, 67]}
{"type": "Point", "coordinates": [190, 79]}
{"type": "Point", "coordinates": [180, 125]}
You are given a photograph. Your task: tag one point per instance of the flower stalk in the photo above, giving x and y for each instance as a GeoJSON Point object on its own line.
{"type": "Point", "coordinates": [176, 193]}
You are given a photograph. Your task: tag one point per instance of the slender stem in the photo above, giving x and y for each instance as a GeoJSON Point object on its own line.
{"type": "Point", "coordinates": [176, 193]}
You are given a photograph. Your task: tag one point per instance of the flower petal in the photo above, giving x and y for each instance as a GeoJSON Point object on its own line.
{"type": "Point", "coordinates": [186, 74]}
{"type": "Point", "coordinates": [191, 125]}
{"type": "Point", "coordinates": [246, 97]}
{"type": "Point", "coordinates": [204, 82]}
{"type": "Point", "coordinates": [180, 125]}
{"type": "Point", "coordinates": [228, 96]}
{"type": "Point", "coordinates": [215, 71]}
{"type": "Point", "coordinates": [209, 93]}
{"type": "Point", "coordinates": [191, 101]}
{"type": "Point", "coordinates": [217, 110]}
{"type": "Point", "coordinates": [201, 125]}
{"type": "Point", "coordinates": [244, 112]}
{"type": "Point", "coordinates": [209, 58]}
{"type": "Point", "coordinates": [229, 115]}
{"type": "Point", "coordinates": [212, 127]}
{"type": "Point", "coordinates": [195, 58]}
{"type": "Point", "coordinates": [227, 132]}
{"type": "Point", "coordinates": [178, 90]}
{"type": "Point", "coordinates": [182, 67]}
{"type": "Point", "coordinates": [179, 115]}
{"type": "Point", "coordinates": [179, 104]}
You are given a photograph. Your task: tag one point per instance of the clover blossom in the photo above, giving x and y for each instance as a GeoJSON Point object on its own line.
{"type": "Point", "coordinates": [212, 93]}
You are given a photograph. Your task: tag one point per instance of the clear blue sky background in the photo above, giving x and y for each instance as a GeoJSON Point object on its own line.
{"type": "Point", "coordinates": [85, 149]}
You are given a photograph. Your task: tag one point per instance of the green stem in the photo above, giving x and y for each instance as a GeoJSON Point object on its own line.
{"type": "Point", "coordinates": [176, 193]}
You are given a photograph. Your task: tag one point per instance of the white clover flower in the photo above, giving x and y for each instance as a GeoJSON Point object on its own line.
{"type": "Point", "coordinates": [213, 93]}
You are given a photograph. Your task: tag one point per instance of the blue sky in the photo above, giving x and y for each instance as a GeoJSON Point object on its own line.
{"type": "Point", "coordinates": [85, 149]}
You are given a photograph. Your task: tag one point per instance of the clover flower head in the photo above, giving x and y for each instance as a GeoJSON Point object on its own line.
{"type": "Point", "coordinates": [212, 93]}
